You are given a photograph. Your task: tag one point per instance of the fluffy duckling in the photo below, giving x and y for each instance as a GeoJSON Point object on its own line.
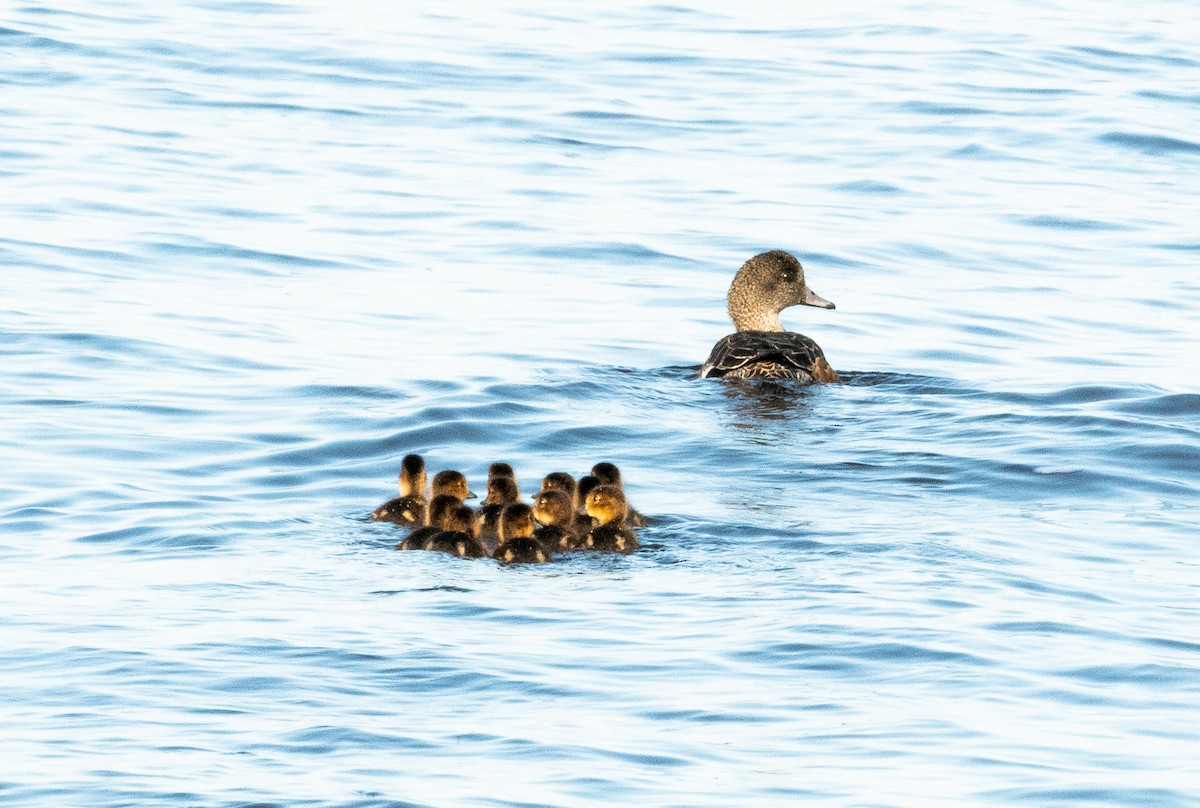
{"type": "Point", "coordinates": [606, 505]}
{"type": "Point", "coordinates": [409, 507]}
{"type": "Point", "coordinates": [553, 511]}
{"type": "Point", "coordinates": [517, 544]}
{"type": "Point", "coordinates": [609, 474]}
{"type": "Point", "coordinates": [760, 347]}
{"type": "Point", "coordinates": [440, 508]}
{"type": "Point", "coordinates": [461, 536]}
{"type": "Point", "coordinates": [501, 491]}
{"type": "Point", "coordinates": [451, 482]}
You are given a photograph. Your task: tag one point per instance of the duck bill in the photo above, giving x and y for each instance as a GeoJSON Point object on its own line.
{"type": "Point", "coordinates": [814, 299]}
{"type": "Point", "coordinates": [471, 494]}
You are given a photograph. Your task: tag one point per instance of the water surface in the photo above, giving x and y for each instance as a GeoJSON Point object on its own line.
{"type": "Point", "coordinates": [254, 253]}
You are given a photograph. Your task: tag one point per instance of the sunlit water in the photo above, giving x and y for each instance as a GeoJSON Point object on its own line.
{"type": "Point", "coordinates": [254, 253]}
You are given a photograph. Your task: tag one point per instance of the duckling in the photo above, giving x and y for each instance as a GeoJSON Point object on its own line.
{"type": "Point", "coordinates": [606, 505]}
{"type": "Point", "coordinates": [451, 482]}
{"type": "Point", "coordinates": [517, 544]}
{"type": "Point", "coordinates": [461, 536]}
{"type": "Point", "coordinates": [609, 474]}
{"type": "Point", "coordinates": [552, 509]}
{"type": "Point", "coordinates": [760, 347]}
{"type": "Point", "coordinates": [440, 508]}
{"type": "Point", "coordinates": [501, 491]}
{"type": "Point", "coordinates": [561, 481]}
{"type": "Point", "coordinates": [409, 507]}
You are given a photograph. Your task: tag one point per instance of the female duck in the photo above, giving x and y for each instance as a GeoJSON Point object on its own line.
{"type": "Point", "coordinates": [606, 505]}
{"type": "Point", "coordinates": [409, 507]}
{"type": "Point", "coordinates": [760, 348]}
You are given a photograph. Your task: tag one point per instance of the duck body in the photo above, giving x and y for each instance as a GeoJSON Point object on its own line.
{"type": "Point", "coordinates": [768, 355]}
{"type": "Point", "coordinates": [401, 510]}
{"type": "Point", "coordinates": [459, 543]}
{"type": "Point", "coordinates": [419, 539]}
{"type": "Point", "coordinates": [522, 550]}
{"type": "Point", "coordinates": [612, 537]}
{"type": "Point", "coordinates": [760, 347]}
{"type": "Point", "coordinates": [555, 539]}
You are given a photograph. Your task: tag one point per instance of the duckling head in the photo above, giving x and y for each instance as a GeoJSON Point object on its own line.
{"type": "Point", "coordinates": [607, 474]}
{"type": "Point", "coordinates": [553, 508]}
{"type": "Point", "coordinates": [500, 470]}
{"type": "Point", "coordinates": [463, 518]}
{"type": "Point", "coordinates": [586, 483]}
{"type": "Point", "coordinates": [440, 508]}
{"type": "Point", "coordinates": [451, 482]}
{"type": "Point", "coordinates": [765, 285]}
{"type": "Point", "coordinates": [605, 503]}
{"type": "Point", "coordinates": [501, 490]}
{"type": "Point", "coordinates": [516, 522]}
{"type": "Point", "coordinates": [412, 476]}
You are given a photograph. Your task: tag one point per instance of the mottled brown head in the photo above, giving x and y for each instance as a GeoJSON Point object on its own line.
{"type": "Point", "coordinates": [501, 491]}
{"type": "Point", "coordinates": [554, 508]}
{"type": "Point", "coordinates": [516, 522]}
{"type": "Point", "coordinates": [451, 482]}
{"type": "Point", "coordinates": [412, 476]}
{"type": "Point", "coordinates": [765, 285]}
{"type": "Point", "coordinates": [606, 503]}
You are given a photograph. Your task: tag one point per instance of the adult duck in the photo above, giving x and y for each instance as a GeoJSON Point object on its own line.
{"type": "Point", "coordinates": [760, 347]}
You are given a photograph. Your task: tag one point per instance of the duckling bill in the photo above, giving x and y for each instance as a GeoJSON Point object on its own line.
{"type": "Point", "coordinates": [760, 347]}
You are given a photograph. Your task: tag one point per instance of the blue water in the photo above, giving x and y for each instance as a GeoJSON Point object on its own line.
{"type": "Point", "coordinates": [251, 254]}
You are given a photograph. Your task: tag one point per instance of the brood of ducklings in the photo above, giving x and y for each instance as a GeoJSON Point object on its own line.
{"type": "Point", "coordinates": [552, 509]}
{"type": "Point", "coordinates": [517, 544]}
{"type": "Point", "coordinates": [451, 482]}
{"type": "Point", "coordinates": [501, 491]}
{"type": "Point", "coordinates": [606, 505]}
{"type": "Point", "coordinates": [760, 347]}
{"type": "Point", "coordinates": [440, 508]}
{"type": "Point", "coordinates": [461, 536]}
{"type": "Point", "coordinates": [409, 507]}
{"type": "Point", "coordinates": [609, 474]}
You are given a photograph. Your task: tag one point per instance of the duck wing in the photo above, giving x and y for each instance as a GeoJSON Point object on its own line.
{"type": "Point", "coordinates": [768, 354]}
